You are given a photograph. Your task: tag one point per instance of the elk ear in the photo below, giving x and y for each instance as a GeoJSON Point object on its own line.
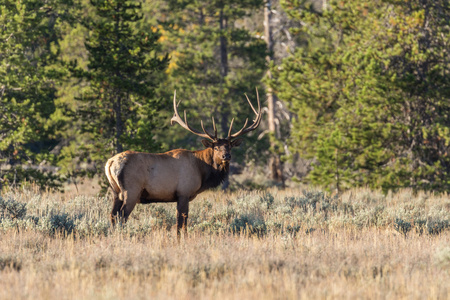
{"type": "Point", "coordinates": [207, 143]}
{"type": "Point", "coordinates": [236, 143]}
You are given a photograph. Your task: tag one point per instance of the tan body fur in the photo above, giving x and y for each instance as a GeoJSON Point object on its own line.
{"type": "Point", "coordinates": [173, 176]}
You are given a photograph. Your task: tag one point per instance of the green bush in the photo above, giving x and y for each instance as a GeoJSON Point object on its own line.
{"type": "Point", "coordinates": [436, 227]}
{"type": "Point", "coordinates": [402, 226]}
{"type": "Point", "coordinates": [57, 223]}
{"type": "Point", "coordinates": [313, 201]}
{"type": "Point", "coordinates": [248, 225]}
{"type": "Point", "coordinates": [12, 209]}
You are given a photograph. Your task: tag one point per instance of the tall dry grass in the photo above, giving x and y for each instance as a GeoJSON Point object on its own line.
{"type": "Point", "coordinates": [245, 245]}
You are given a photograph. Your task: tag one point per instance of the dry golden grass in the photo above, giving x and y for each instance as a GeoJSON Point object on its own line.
{"type": "Point", "coordinates": [345, 256]}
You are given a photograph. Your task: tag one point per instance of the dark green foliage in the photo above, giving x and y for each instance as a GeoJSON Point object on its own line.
{"type": "Point", "coordinates": [402, 226]}
{"type": "Point", "coordinates": [369, 90]}
{"type": "Point", "coordinates": [20, 174]}
{"type": "Point", "coordinates": [368, 83]}
{"type": "Point", "coordinates": [214, 61]}
{"type": "Point", "coordinates": [119, 109]}
{"type": "Point", "coordinates": [57, 224]}
{"type": "Point", "coordinates": [293, 230]}
{"type": "Point", "coordinates": [436, 227]}
{"type": "Point", "coordinates": [29, 74]}
{"type": "Point", "coordinates": [432, 227]}
{"type": "Point", "coordinates": [111, 100]}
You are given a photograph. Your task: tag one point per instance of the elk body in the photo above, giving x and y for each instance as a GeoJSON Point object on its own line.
{"type": "Point", "coordinates": [174, 176]}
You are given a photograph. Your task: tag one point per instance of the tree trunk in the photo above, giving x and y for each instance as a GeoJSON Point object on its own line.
{"type": "Point", "coordinates": [223, 65]}
{"type": "Point", "coordinates": [119, 125]}
{"type": "Point", "coordinates": [224, 72]}
{"type": "Point", "coordinates": [223, 46]}
{"type": "Point", "coordinates": [274, 162]}
{"type": "Point", "coordinates": [118, 104]}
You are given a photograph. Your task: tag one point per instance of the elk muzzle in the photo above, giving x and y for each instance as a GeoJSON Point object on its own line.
{"type": "Point", "coordinates": [226, 157]}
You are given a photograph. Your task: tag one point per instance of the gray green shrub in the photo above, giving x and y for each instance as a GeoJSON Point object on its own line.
{"type": "Point", "coordinates": [289, 213]}
{"type": "Point", "coordinates": [248, 225]}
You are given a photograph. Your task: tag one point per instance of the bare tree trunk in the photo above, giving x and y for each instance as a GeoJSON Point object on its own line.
{"type": "Point", "coordinates": [119, 125]}
{"type": "Point", "coordinates": [223, 46]}
{"type": "Point", "coordinates": [223, 64]}
{"type": "Point", "coordinates": [275, 162]}
{"type": "Point", "coordinates": [118, 104]}
{"type": "Point", "coordinates": [324, 5]}
{"type": "Point", "coordinates": [224, 73]}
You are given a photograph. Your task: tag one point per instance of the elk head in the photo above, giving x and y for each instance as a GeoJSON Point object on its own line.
{"type": "Point", "coordinates": [221, 147]}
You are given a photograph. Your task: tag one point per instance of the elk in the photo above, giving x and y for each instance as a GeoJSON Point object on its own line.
{"type": "Point", "coordinates": [174, 176]}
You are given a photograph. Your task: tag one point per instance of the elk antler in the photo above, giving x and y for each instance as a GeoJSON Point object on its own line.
{"type": "Point", "coordinates": [251, 127]}
{"type": "Point", "coordinates": [176, 118]}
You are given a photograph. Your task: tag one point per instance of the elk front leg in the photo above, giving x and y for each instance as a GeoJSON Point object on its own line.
{"type": "Point", "coordinates": [182, 214]}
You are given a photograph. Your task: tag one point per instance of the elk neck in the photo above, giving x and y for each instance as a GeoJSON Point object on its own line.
{"type": "Point", "coordinates": [213, 173]}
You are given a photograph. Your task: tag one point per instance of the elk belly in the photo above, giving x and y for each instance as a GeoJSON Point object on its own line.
{"type": "Point", "coordinates": [146, 198]}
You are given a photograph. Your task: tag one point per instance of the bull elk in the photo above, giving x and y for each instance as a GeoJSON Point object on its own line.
{"type": "Point", "coordinates": [174, 176]}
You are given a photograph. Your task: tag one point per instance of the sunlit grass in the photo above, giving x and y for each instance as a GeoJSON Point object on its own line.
{"type": "Point", "coordinates": [244, 245]}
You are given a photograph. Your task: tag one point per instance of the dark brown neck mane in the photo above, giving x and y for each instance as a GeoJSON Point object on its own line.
{"type": "Point", "coordinates": [213, 174]}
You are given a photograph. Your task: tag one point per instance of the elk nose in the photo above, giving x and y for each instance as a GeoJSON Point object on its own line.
{"type": "Point", "coordinates": [226, 156]}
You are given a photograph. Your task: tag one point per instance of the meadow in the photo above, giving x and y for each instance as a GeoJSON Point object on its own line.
{"type": "Point", "coordinates": [297, 243]}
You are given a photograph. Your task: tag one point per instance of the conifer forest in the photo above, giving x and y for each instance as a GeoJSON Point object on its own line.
{"type": "Point", "coordinates": [353, 92]}
{"type": "Point", "coordinates": [339, 191]}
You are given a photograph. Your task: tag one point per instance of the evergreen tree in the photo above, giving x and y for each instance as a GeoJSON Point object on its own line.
{"type": "Point", "coordinates": [215, 59]}
{"type": "Point", "coordinates": [370, 93]}
{"type": "Point", "coordinates": [119, 109]}
{"type": "Point", "coordinates": [421, 33]}
{"type": "Point", "coordinates": [29, 74]}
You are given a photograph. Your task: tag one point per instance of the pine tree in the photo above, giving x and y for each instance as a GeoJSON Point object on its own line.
{"type": "Point", "coordinates": [370, 93]}
{"type": "Point", "coordinates": [29, 73]}
{"type": "Point", "coordinates": [420, 68]}
{"type": "Point", "coordinates": [215, 60]}
{"type": "Point", "coordinates": [119, 109]}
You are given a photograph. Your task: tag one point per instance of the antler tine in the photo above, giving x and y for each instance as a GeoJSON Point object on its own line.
{"type": "Point", "coordinates": [210, 135]}
{"type": "Point", "coordinates": [255, 122]}
{"type": "Point", "coordinates": [231, 127]}
{"type": "Point", "coordinates": [251, 105]}
{"type": "Point", "coordinates": [214, 126]}
{"type": "Point", "coordinates": [230, 136]}
{"type": "Point", "coordinates": [176, 118]}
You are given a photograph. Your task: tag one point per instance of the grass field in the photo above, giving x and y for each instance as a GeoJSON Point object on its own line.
{"type": "Point", "coordinates": [290, 244]}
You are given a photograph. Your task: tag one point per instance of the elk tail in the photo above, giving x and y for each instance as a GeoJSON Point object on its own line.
{"type": "Point", "coordinates": [113, 181]}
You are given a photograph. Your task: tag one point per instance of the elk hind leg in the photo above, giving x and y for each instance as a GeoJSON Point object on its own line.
{"type": "Point", "coordinates": [117, 204]}
{"type": "Point", "coordinates": [129, 202]}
